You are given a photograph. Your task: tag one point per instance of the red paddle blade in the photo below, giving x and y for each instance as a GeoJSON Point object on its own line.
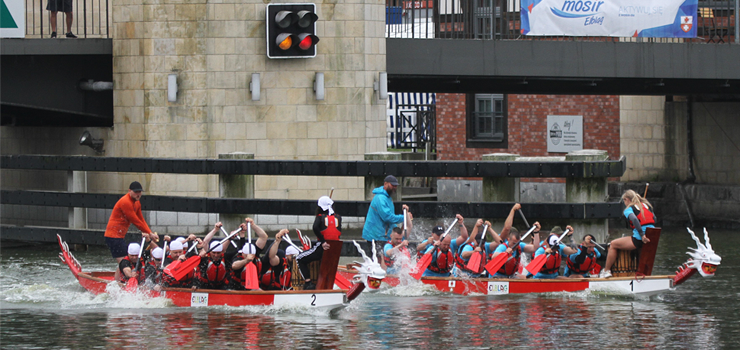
{"type": "Point", "coordinates": [179, 269]}
{"type": "Point", "coordinates": [251, 281]}
{"type": "Point", "coordinates": [474, 263]}
{"type": "Point", "coordinates": [495, 264]}
{"type": "Point", "coordinates": [132, 284]}
{"type": "Point", "coordinates": [422, 265]}
{"type": "Point", "coordinates": [536, 265]}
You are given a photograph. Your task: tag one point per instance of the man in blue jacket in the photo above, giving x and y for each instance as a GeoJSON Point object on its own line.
{"type": "Point", "coordinates": [381, 217]}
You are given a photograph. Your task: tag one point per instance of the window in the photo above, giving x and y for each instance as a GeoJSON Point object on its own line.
{"type": "Point", "coordinates": [487, 121]}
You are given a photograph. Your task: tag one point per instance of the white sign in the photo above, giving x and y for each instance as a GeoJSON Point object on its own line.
{"type": "Point", "coordinates": [564, 133]}
{"type": "Point", "coordinates": [495, 288]}
{"type": "Point", "coordinates": [12, 19]}
{"type": "Point", "coordinates": [620, 18]}
{"type": "Point", "coordinates": [199, 299]}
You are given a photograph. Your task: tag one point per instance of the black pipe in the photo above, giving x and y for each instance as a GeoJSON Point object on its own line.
{"type": "Point", "coordinates": [690, 139]}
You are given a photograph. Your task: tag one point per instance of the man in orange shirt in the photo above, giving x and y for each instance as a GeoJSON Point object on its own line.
{"type": "Point", "coordinates": [127, 211]}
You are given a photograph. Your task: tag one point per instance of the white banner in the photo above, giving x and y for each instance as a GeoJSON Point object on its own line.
{"type": "Point", "coordinates": [620, 18]}
{"type": "Point", "coordinates": [12, 19]}
{"type": "Point", "coordinates": [564, 133]}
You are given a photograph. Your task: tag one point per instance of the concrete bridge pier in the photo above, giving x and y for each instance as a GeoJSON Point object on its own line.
{"type": "Point", "coordinates": [374, 181]}
{"type": "Point", "coordinates": [587, 189]}
{"type": "Point", "coordinates": [235, 186]}
{"type": "Point", "coordinates": [77, 217]}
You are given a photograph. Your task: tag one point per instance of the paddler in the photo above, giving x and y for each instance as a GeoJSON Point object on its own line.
{"type": "Point", "coordinates": [580, 264]}
{"type": "Point", "coordinates": [381, 217]}
{"type": "Point", "coordinates": [326, 226]}
{"type": "Point", "coordinates": [276, 269]}
{"type": "Point", "coordinates": [555, 251]}
{"type": "Point", "coordinates": [153, 269]}
{"type": "Point", "coordinates": [422, 247]}
{"type": "Point", "coordinates": [248, 254]}
{"type": "Point", "coordinates": [176, 252]}
{"type": "Point", "coordinates": [443, 259]}
{"type": "Point", "coordinates": [639, 215]}
{"type": "Point", "coordinates": [127, 211]}
{"type": "Point", "coordinates": [396, 252]}
{"type": "Point", "coordinates": [213, 270]}
{"type": "Point", "coordinates": [127, 266]}
{"type": "Point", "coordinates": [514, 247]}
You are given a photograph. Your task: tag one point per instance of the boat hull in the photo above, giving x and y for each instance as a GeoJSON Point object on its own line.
{"type": "Point", "coordinates": [643, 286]}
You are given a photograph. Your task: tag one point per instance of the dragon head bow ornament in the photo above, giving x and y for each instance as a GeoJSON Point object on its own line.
{"type": "Point", "coordinates": [370, 273]}
{"type": "Point", "coordinates": [702, 259]}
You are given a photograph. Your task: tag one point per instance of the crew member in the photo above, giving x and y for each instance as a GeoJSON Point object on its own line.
{"type": "Point", "coordinates": [422, 247]}
{"type": "Point", "coordinates": [581, 263]}
{"type": "Point", "coordinates": [153, 270]}
{"type": "Point", "coordinates": [276, 268]}
{"type": "Point", "coordinates": [127, 211]}
{"type": "Point", "coordinates": [247, 255]}
{"type": "Point", "coordinates": [327, 226]}
{"type": "Point", "coordinates": [555, 251]}
{"type": "Point", "coordinates": [214, 272]}
{"type": "Point", "coordinates": [395, 253]}
{"type": "Point", "coordinates": [381, 217]}
{"type": "Point", "coordinates": [639, 215]}
{"type": "Point", "coordinates": [443, 259]}
{"type": "Point", "coordinates": [127, 266]}
{"type": "Point", "coordinates": [514, 248]}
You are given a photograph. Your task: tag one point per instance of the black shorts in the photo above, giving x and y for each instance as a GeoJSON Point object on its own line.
{"type": "Point", "coordinates": [637, 242]}
{"type": "Point", "coordinates": [117, 247]}
{"type": "Point", "coordinates": [59, 6]}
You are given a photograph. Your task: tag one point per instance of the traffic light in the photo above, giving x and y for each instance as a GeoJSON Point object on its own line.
{"type": "Point", "coordinates": [291, 30]}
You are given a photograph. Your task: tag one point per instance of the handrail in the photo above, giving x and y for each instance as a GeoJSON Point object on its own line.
{"type": "Point", "coordinates": [91, 19]}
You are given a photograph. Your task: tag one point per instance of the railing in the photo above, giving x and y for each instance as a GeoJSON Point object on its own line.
{"type": "Point", "coordinates": [91, 19]}
{"type": "Point", "coordinates": [716, 21]}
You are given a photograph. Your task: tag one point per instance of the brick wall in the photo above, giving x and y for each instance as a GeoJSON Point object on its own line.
{"type": "Point", "coordinates": [527, 125]}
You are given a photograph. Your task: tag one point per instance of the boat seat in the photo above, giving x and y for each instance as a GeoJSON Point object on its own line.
{"type": "Point", "coordinates": [640, 261]}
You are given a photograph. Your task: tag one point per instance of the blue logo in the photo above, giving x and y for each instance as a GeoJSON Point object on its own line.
{"type": "Point", "coordinates": [577, 9]}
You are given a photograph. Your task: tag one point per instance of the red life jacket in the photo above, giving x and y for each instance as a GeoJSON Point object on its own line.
{"type": "Point", "coordinates": [552, 264]}
{"type": "Point", "coordinates": [389, 261]}
{"type": "Point", "coordinates": [272, 281]}
{"type": "Point", "coordinates": [441, 262]}
{"type": "Point", "coordinates": [646, 216]}
{"type": "Point", "coordinates": [238, 277]}
{"type": "Point", "coordinates": [141, 273]}
{"type": "Point", "coordinates": [462, 264]}
{"type": "Point", "coordinates": [512, 265]}
{"type": "Point", "coordinates": [215, 274]}
{"type": "Point", "coordinates": [331, 233]}
{"type": "Point", "coordinates": [585, 266]}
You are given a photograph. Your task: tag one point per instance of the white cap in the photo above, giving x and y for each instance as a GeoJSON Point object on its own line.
{"type": "Point", "coordinates": [249, 248]}
{"type": "Point", "coordinates": [216, 247]}
{"type": "Point", "coordinates": [134, 248]}
{"type": "Point", "coordinates": [291, 250]}
{"type": "Point", "coordinates": [157, 253]}
{"type": "Point", "coordinates": [552, 240]}
{"type": "Point", "coordinates": [181, 239]}
{"type": "Point", "coordinates": [175, 245]}
{"type": "Point", "coordinates": [325, 203]}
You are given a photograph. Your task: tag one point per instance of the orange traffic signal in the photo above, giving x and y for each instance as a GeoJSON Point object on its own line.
{"type": "Point", "coordinates": [291, 30]}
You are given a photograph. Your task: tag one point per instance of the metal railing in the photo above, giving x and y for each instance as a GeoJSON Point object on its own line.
{"type": "Point", "coordinates": [716, 22]}
{"type": "Point", "coordinates": [91, 19]}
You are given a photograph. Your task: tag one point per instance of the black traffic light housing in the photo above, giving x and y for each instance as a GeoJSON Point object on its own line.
{"type": "Point", "coordinates": [291, 30]}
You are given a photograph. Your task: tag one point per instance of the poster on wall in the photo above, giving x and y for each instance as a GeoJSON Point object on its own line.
{"type": "Point", "coordinates": [13, 19]}
{"type": "Point", "coordinates": [564, 133]}
{"type": "Point", "coordinates": [619, 18]}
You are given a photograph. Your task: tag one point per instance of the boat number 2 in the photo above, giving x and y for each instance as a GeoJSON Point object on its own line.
{"type": "Point", "coordinates": [313, 299]}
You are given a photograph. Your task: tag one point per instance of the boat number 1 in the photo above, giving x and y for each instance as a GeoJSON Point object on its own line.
{"type": "Point", "coordinates": [632, 286]}
{"type": "Point", "coordinates": [313, 299]}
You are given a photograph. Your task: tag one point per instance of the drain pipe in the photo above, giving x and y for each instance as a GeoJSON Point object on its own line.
{"type": "Point", "coordinates": [690, 139]}
{"type": "Point", "coordinates": [737, 21]}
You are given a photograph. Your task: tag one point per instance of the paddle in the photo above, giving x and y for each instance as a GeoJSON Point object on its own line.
{"type": "Point", "coordinates": [251, 280]}
{"type": "Point", "coordinates": [304, 240]}
{"type": "Point", "coordinates": [495, 264]}
{"type": "Point", "coordinates": [287, 239]}
{"type": "Point", "coordinates": [474, 264]}
{"type": "Point", "coordinates": [133, 282]}
{"type": "Point", "coordinates": [536, 265]}
{"type": "Point", "coordinates": [523, 218]}
{"type": "Point", "coordinates": [179, 269]}
{"type": "Point", "coordinates": [405, 228]}
{"type": "Point", "coordinates": [425, 260]}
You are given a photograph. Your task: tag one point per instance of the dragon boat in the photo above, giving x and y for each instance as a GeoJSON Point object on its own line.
{"type": "Point", "coordinates": [632, 275]}
{"type": "Point", "coordinates": [327, 299]}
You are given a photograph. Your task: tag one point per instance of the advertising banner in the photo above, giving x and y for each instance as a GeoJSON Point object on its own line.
{"type": "Point", "coordinates": [12, 19]}
{"type": "Point", "coordinates": [619, 18]}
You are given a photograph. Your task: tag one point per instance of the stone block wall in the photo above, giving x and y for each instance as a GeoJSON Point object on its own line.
{"type": "Point", "coordinates": [717, 142]}
{"type": "Point", "coordinates": [643, 134]}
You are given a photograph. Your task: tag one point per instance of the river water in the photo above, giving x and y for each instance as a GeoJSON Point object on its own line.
{"type": "Point", "coordinates": [43, 307]}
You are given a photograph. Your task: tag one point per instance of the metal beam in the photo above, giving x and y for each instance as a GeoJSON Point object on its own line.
{"type": "Point", "coordinates": [307, 207]}
{"type": "Point", "coordinates": [609, 168]}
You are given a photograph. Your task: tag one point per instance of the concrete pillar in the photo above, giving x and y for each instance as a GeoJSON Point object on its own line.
{"type": "Point", "coordinates": [372, 182]}
{"type": "Point", "coordinates": [235, 186]}
{"type": "Point", "coordinates": [500, 189]}
{"type": "Point", "coordinates": [585, 190]}
{"type": "Point", "coordinates": [77, 217]}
